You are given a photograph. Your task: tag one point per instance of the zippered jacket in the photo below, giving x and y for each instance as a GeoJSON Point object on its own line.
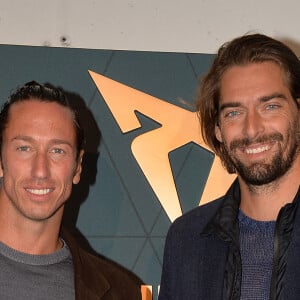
{"type": "Point", "coordinates": [202, 257]}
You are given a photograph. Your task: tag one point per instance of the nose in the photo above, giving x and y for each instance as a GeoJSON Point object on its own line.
{"type": "Point", "coordinates": [40, 166]}
{"type": "Point", "coordinates": [253, 124]}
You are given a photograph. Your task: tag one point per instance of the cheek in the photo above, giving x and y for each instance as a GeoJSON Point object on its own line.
{"type": "Point", "coordinates": [66, 175]}
{"type": "Point", "coordinates": [227, 135]}
{"type": "Point", "coordinates": [12, 169]}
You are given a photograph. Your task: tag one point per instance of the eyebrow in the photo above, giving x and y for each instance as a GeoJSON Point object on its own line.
{"type": "Point", "coordinates": [261, 100]}
{"type": "Point", "coordinates": [29, 139]}
{"type": "Point", "coordinates": [272, 96]}
{"type": "Point", "coordinates": [229, 104]}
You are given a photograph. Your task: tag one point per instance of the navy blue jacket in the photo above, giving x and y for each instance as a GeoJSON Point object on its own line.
{"type": "Point", "coordinates": [202, 258]}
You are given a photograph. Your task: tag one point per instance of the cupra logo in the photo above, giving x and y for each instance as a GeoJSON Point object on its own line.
{"type": "Point", "coordinates": [151, 149]}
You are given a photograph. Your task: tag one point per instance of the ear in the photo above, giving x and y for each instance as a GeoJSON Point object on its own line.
{"type": "Point", "coordinates": [1, 166]}
{"type": "Point", "coordinates": [1, 169]}
{"type": "Point", "coordinates": [76, 177]}
{"type": "Point", "coordinates": [218, 133]}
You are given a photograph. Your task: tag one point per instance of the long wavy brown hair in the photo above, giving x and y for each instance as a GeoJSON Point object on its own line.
{"type": "Point", "coordinates": [252, 48]}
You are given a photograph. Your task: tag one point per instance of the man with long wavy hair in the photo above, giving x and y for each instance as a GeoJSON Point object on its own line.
{"type": "Point", "coordinates": [246, 244]}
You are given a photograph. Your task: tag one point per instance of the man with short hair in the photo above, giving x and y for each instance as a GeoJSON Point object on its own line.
{"type": "Point", "coordinates": [246, 244]}
{"type": "Point", "coordinates": [41, 143]}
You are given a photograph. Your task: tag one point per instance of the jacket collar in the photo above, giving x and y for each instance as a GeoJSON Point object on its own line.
{"type": "Point", "coordinates": [86, 286]}
{"type": "Point", "coordinates": [224, 223]}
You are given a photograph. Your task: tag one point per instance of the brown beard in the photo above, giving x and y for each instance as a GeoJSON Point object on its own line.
{"type": "Point", "coordinates": [261, 173]}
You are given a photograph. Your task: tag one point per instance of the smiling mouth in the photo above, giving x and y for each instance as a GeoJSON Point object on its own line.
{"type": "Point", "coordinates": [256, 150]}
{"type": "Point", "coordinates": [39, 191]}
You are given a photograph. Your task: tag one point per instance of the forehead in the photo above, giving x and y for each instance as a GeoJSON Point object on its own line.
{"type": "Point", "coordinates": [40, 118]}
{"type": "Point", "coordinates": [253, 79]}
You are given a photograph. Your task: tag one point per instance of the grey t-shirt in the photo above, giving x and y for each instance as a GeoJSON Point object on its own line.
{"type": "Point", "coordinates": [36, 277]}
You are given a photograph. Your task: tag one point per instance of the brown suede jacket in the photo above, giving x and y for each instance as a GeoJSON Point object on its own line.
{"type": "Point", "coordinates": [97, 278]}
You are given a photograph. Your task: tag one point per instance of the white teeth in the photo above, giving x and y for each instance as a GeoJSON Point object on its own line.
{"type": "Point", "coordinates": [39, 191]}
{"type": "Point", "coordinates": [257, 150]}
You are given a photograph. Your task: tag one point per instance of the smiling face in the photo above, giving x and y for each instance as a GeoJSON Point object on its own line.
{"type": "Point", "coordinates": [38, 160]}
{"type": "Point", "coordinates": [258, 122]}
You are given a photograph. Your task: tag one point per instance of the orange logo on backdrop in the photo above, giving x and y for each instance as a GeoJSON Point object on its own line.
{"type": "Point", "coordinates": [178, 127]}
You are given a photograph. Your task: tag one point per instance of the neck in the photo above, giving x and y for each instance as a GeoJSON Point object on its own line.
{"type": "Point", "coordinates": [264, 202]}
{"type": "Point", "coordinates": [29, 236]}
{"type": "Point", "coordinates": [38, 241]}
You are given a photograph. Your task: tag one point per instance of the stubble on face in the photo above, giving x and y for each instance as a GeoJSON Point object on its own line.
{"type": "Point", "coordinates": [259, 123]}
{"type": "Point", "coordinates": [264, 172]}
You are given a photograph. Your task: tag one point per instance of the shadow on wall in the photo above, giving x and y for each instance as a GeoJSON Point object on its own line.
{"type": "Point", "coordinates": [80, 191]}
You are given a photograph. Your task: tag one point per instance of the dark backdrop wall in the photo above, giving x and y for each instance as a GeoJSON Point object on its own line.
{"type": "Point", "coordinates": [114, 211]}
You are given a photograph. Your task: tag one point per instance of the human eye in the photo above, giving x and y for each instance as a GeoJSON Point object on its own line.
{"type": "Point", "coordinates": [272, 106]}
{"type": "Point", "coordinates": [231, 114]}
{"type": "Point", "coordinates": [23, 148]}
{"type": "Point", "coordinates": [57, 150]}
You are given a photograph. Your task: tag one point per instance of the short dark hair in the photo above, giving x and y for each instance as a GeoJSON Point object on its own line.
{"type": "Point", "coordinates": [252, 48]}
{"type": "Point", "coordinates": [43, 93]}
